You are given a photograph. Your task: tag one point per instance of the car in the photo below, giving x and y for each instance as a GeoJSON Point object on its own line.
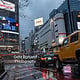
{"type": "Point", "coordinates": [69, 51]}
{"type": "Point", "coordinates": [45, 60]}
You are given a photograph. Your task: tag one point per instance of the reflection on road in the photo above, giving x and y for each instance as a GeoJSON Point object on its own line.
{"type": "Point", "coordinates": [53, 74]}
{"type": "Point", "coordinates": [29, 72]}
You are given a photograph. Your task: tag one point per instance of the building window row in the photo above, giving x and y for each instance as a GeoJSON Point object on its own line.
{"type": "Point", "coordinates": [45, 33]}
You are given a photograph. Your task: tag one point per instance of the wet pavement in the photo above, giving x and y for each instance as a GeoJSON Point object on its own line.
{"type": "Point", "coordinates": [29, 72]}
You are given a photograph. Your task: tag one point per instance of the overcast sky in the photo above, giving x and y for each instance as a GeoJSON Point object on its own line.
{"type": "Point", "coordinates": [36, 9]}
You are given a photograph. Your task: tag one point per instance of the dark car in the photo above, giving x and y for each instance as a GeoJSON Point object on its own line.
{"type": "Point", "coordinates": [45, 60]}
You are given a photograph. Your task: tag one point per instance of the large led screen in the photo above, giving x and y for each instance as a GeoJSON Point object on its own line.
{"type": "Point", "coordinates": [7, 26]}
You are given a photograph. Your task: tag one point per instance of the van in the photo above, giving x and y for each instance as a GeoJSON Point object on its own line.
{"type": "Point", "coordinates": [69, 51]}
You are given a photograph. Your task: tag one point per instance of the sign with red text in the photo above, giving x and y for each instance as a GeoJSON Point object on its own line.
{"type": "Point", "coordinates": [7, 5]}
{"type": "Point", "coordinates": [38, 22]}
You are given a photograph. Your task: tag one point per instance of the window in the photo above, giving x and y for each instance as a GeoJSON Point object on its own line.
{"type": "Point", "coordinates": [65, 42]}
{"type": "Point", "coordinates": [74, 38]}
{"type": "Point", "coordinates": [55, 25]}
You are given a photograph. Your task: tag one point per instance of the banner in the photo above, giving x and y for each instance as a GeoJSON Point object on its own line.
{"type": "Point", "coordinates": [7, 5]}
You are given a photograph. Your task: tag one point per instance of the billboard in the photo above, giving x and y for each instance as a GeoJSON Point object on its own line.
{"type": "Point", "coordinates": [7, 5]}
{"type": "Point", "coordinates": [7, 26]}
{"type": "Point", "coordinates": [38, 22]}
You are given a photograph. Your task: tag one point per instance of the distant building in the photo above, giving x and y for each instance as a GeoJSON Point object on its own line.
{"type": "Point", "coordinates": [29, 43]}
{"type": "Point", "coordinates": [44, 37]}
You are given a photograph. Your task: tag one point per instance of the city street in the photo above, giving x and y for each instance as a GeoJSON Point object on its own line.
{"type": "Point", "coordinates": [29, 72]}
{"type": "Point", "coordinates": [39, 39]}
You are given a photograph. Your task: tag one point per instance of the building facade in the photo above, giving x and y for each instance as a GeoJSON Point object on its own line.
{"type": "Point", "coordinates": [9, 12]}
{"type": "Point", "coordinates": [70, 9]}
{"type": "Point", "coordinates": [44, 37]}
{"type": "Point", "coordinates": [29, 43]}
{"type": "Point", "coordinates": [66, 19]}
{"type": "Point", "coordinates": [62, 22]}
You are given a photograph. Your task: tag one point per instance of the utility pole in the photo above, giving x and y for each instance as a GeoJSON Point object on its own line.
{"type": "Point", "coordinates": [69, 16]}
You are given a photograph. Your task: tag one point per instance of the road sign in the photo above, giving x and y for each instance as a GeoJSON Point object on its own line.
{"type": "Point", "coordinates": [1, 35]}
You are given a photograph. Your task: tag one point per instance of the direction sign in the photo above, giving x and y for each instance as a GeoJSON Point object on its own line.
{"type": "Point", "coordinates": [1, 35]}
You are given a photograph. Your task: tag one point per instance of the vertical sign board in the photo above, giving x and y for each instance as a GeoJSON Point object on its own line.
{"type": "Point", "coordinates": [7, 5]}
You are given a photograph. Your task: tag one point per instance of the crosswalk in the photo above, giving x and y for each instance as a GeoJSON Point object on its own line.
{"type": "Point", "coordinates": [29, 72]}
{"type": "Point", "coordinates": [26, 73]}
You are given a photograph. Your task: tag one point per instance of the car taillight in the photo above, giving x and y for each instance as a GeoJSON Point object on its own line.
{"type": "Point", "coordinates": [54, 57]}
{"type": "Point", "coordinates": [43, 58]}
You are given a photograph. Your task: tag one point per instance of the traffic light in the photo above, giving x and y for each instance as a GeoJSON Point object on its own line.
{"type": "Point", "coordinates": [14, 24]}
{"type": "Point", "coordinates": [17, 24]}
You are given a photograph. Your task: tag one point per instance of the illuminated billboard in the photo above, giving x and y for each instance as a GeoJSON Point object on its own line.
{"type": "Point", "coordinates": [7, 5]}
{"type": "Point", "coordinates": [38, 22]}
{"type": "Point", "coordinates": [7, 26]}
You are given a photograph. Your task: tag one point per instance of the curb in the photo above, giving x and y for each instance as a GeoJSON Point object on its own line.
{"type": "Point", "coordinates": [2, 75]}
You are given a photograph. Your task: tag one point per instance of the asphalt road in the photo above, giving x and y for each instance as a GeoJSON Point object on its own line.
{"type": "Point", "coordinates": [29, 72]}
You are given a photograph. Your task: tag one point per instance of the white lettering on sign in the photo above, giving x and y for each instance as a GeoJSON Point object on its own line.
{"type": "Point", "coordinates": [7, 5]}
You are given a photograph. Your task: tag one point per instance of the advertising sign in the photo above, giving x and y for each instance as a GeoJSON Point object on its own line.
{"type": "Point", "coordinates": [38, 22]}
{"type": "Point", "coordinates": [7, 5]}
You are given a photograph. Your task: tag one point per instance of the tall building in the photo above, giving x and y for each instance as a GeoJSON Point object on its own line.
{"type": "Point", "coordinates": [65, 19]}
{"type": "Point", "coordinates": [43, 37]}
{"type": "Point", "coordinates": [9, 26]}
{"type": "Point", "coordinates": [70, 9]}
{"type": "Point", "coordinates": [29, 43]}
